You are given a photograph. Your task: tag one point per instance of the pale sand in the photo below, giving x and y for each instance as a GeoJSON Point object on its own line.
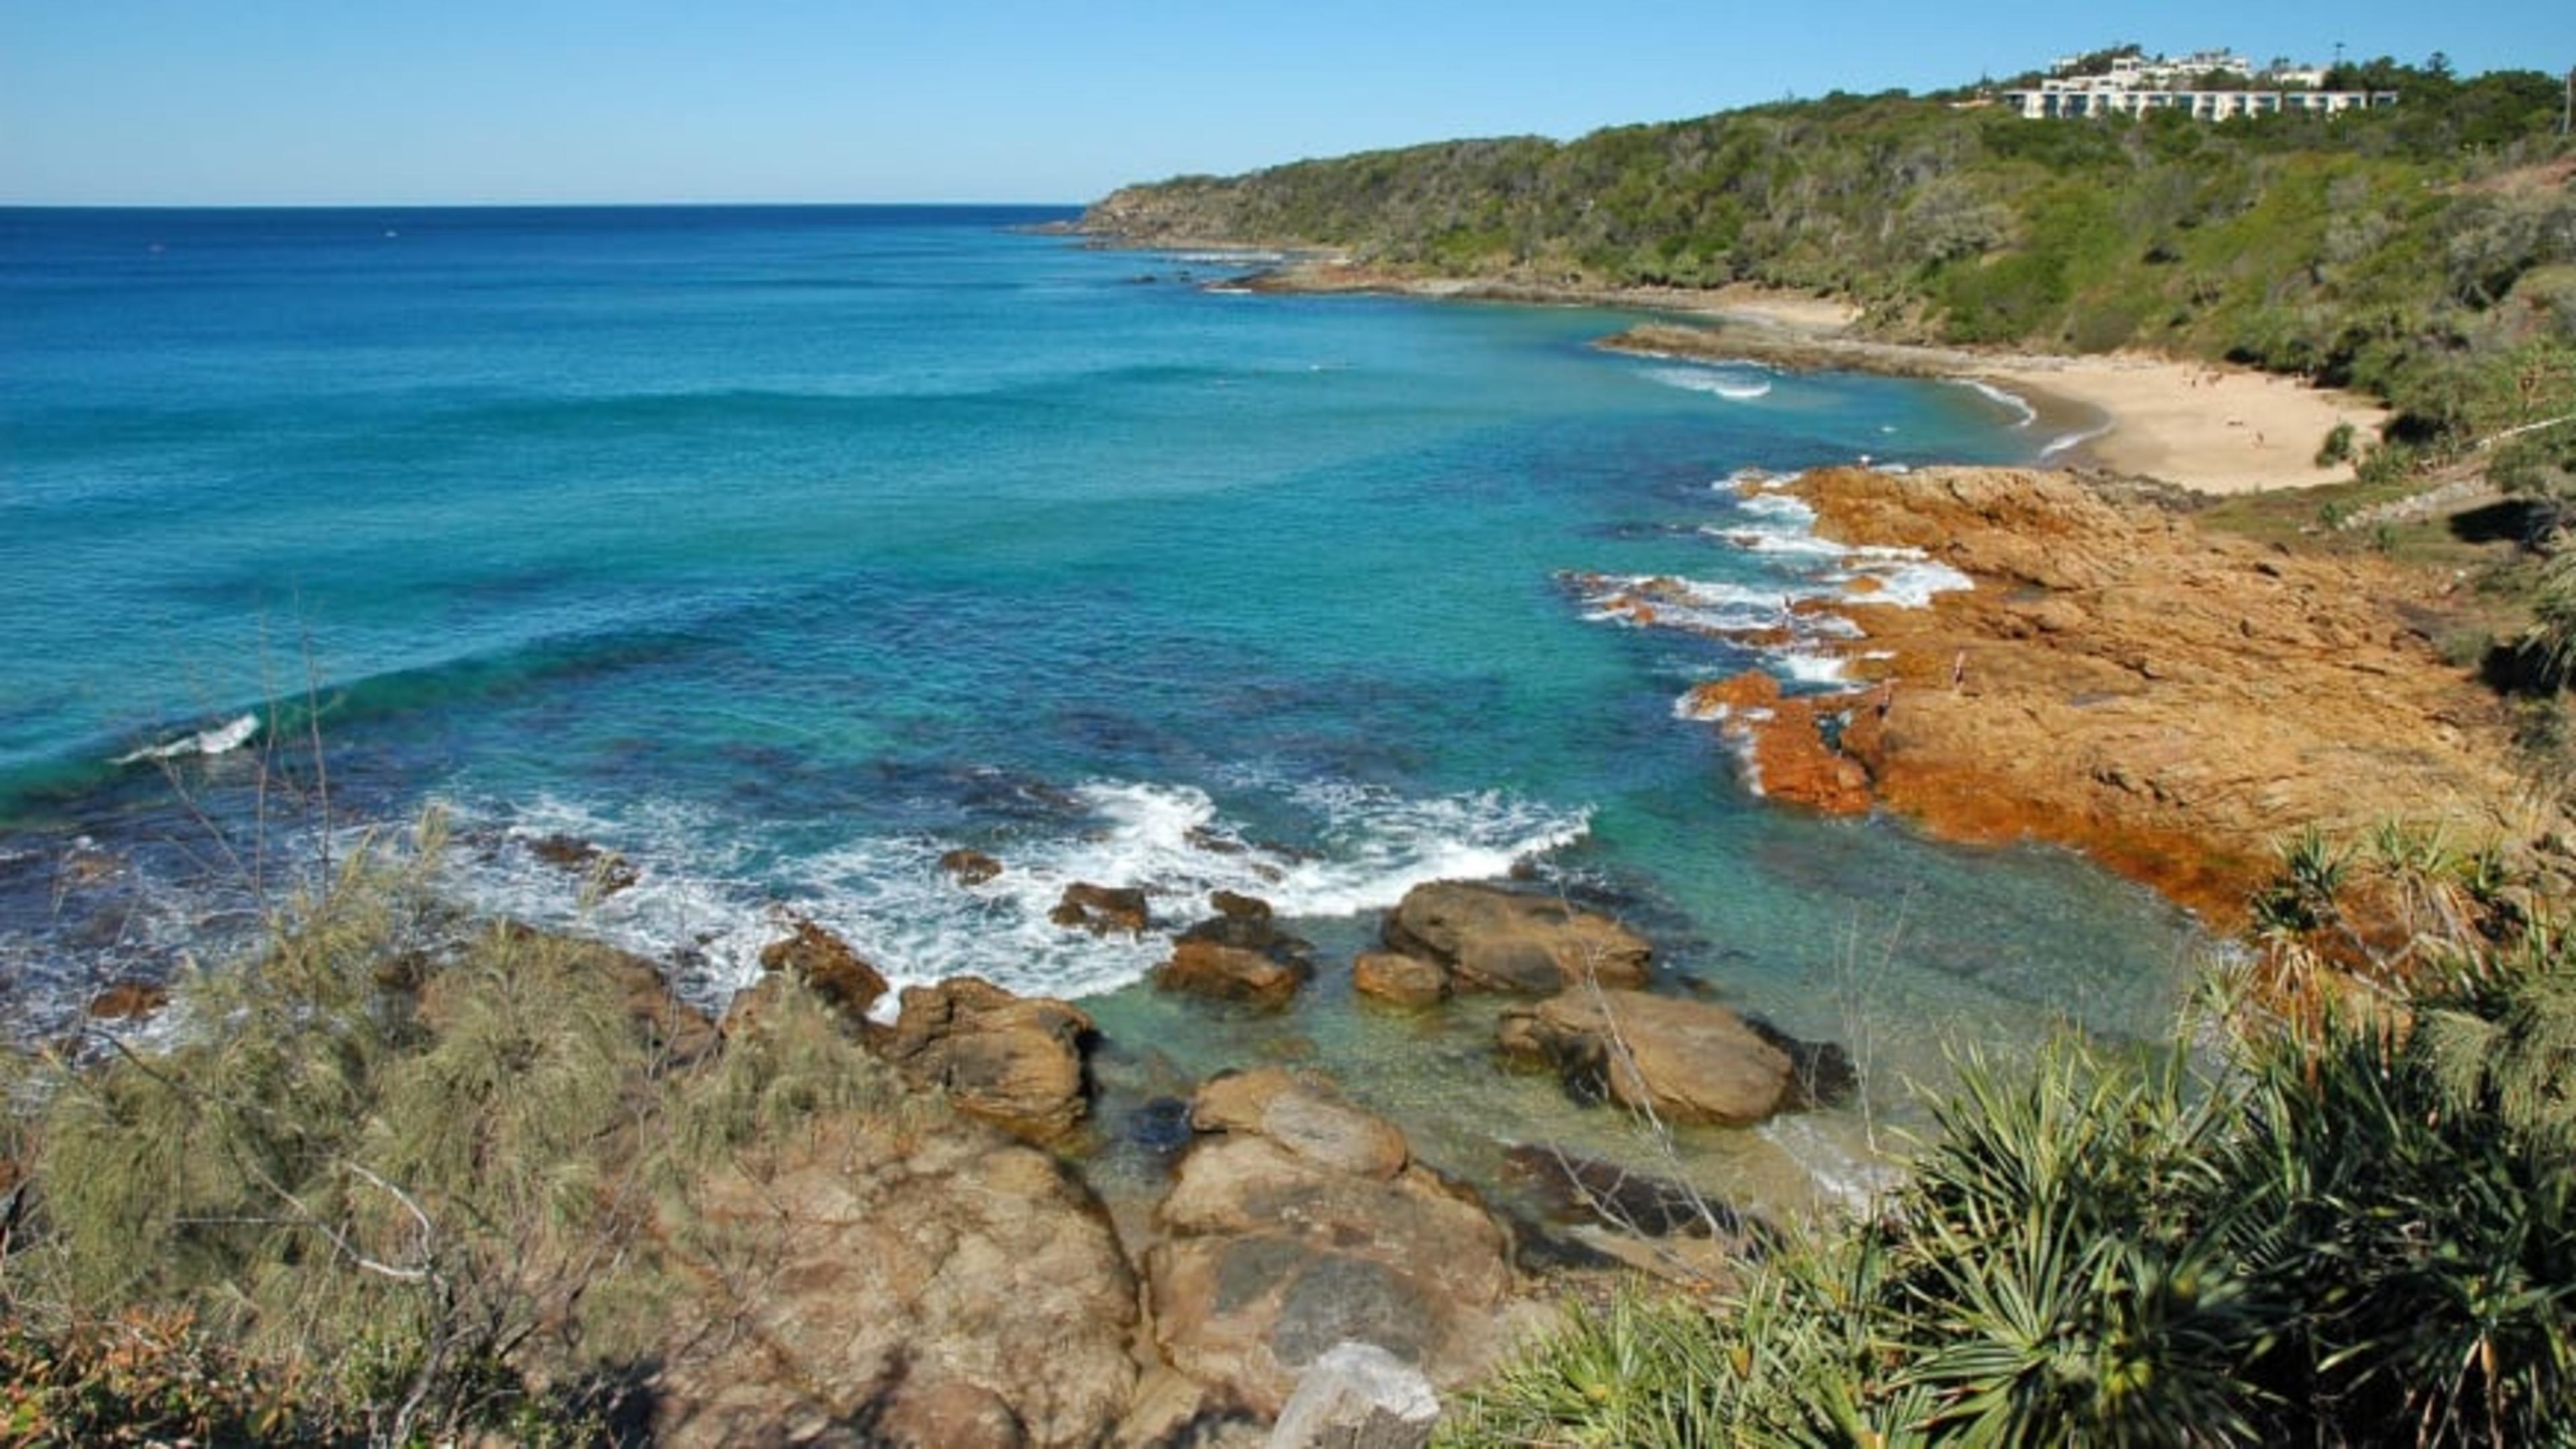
{"type": "Point", "coordinates": [2215, 430]}
{"type": "Point", "coordinates": [2209, 429]}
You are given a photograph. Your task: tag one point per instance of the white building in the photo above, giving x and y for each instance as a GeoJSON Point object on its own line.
{"type": "Point", "coordinates": [2136, 86]}
{"type": "Point", "coordinates": [2062, 104]}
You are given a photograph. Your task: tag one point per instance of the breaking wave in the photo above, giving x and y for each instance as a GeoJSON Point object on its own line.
{"type": "Point", "coordinates": [892, 900]}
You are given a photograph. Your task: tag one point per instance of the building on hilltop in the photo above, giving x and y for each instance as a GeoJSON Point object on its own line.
{"type": "Point", "coordinates": [2207, 85]}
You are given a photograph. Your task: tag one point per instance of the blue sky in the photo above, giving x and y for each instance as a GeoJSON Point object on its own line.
{"type": "Point", "coordinates": [361, 101]}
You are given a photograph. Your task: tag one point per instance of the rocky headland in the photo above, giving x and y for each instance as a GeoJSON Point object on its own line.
{"type": "Point", "coordinates": [2171, 700]}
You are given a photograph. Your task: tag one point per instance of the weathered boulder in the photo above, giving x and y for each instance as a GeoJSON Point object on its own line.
{"type": "Point", "coordinates": [1305, 1115]}
{"type": "Point", "coordinates": [1392, 976]}
{"type": "Point", "coordinates": [1491, 939]}
{"type": "Point", "coordinates": [1231, 973]}
{"type": "Point", "coordinates": [970, 867]}
{"type": "Point", "coordinates": [1014, 1061]}
{"type": "Point", "coordinates": [1237, 955]}
{"type": "Point", "coordinates": [1300, 1224]}
{"type": "Point", "coordinates": [828, 967]}
{"type": "Point", "coordinates": [1687, 1061]}
{"type": "Point", "coordinates": [1101, 909]}
{"type": "Point", "coordinates": [884, 1283]}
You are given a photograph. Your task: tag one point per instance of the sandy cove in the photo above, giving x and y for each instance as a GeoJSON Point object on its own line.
{"type": "Point", "coordinates": [2207, 428]}
{"type": "Point", "coordinates": [2170, 701]}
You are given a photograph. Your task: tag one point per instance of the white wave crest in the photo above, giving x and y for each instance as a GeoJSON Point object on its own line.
{"type": "Point", "coordinates": [1808, 668]}
{"type": "Point", "coordinates": [890, 898]}
{"type": "Point", "coordinates": [214, 740]}
{"type": "Point", "coordinates": [1778, 505]}
{"type": "Point", "coordinates": [1907, 583]}
{"type": "Point", "coordinates": [2011, 402]}
{"type": "Point", "coordinates": [1736, 382]}
{"type": "Point", "coordinates": [2065, 442]}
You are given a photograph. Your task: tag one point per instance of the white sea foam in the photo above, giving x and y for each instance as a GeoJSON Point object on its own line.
{"type": "Point", "coordinates": [1907, 583]}
{"type": "Point", "coordinates": [1736, 382]}
{"type": "Point", "coordinates": [2066, 441]}
{"type": "Point", "coordinates": [1778, 505]}
{"type": "Point", "coordinates": [892, 901]}
{"type": "Point", "coordinates": [1807, 668]}
{"type": "Point", "coordinates": [1843, 1173]}
{"type": "Point", "coordinates": [1695, 604]}
{"type": "Point", "coordinates": [1756, 539]}
{"type": "Point", "coordinates": [213, 740]}
{"type": "Point", "coordinates": [1228, 259]}
{"type": "Point", "coordinates": [2011, 402]}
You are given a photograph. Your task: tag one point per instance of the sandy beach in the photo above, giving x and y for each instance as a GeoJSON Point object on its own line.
{"type": "Point", "coordinates": [2208, 428]}
{"type": "Point", "coordinates": [2212, 429]}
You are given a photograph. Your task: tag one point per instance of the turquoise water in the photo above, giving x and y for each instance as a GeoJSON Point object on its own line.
{"type": "Point", "coordinates": [781, 550]}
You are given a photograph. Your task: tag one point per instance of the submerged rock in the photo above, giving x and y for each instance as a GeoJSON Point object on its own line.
{"type": "Point", "coordinates": [1491, 939]}
{"type": "Point", "coordinates": [1686, 1061]}
{"type": "Point", "coordinates": [608, 871]}
{"type": "Point", "coordinates": [1571, 1187]}
{"type": "Point", "coordinates": [1016, 1062]}
{"type": "Point", "coordinates": [1392, 976]}
{"type": "Point", "coordinates": [1821, 1073]}
{"type": "Point", "coordinates": [970, 867]}
{"type": "Point", "coordinates": [1101, 909]}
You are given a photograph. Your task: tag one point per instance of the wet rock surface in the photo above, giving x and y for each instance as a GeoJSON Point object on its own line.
{"type": "Point", "coordinates": [970, 867]}
{"type": "Point", "coordinates": [1237, 955]}
{"type": "Point", "coordinates": [1486, 938]}
{"type": "Point", "coordinates": [827, 965]}
{"type": "Point", "coordinates": [1102, 909]}
{"type": "Point", "coordinates": [1684, 1061]}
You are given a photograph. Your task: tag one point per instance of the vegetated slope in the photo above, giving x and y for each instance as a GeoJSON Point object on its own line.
{"type": "Point", "coordinates": [2380, 250]}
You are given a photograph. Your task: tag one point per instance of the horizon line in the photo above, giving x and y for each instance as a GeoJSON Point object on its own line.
{"type": "Point", "coordinates": [10, 205]}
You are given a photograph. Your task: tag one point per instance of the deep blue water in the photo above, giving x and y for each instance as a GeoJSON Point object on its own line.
{"type": "Point", "coordinates": [784, 549]}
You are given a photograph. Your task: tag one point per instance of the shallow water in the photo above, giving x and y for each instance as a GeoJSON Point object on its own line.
{"type": "Point", "coordinates": [782, 550]}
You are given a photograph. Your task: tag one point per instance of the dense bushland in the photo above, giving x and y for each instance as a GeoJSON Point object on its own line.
{"type": "Point", "coordinates": [2421, 252]}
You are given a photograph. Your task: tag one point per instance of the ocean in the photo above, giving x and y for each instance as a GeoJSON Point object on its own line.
{"type": "Point", "coordinates": [782, 550]}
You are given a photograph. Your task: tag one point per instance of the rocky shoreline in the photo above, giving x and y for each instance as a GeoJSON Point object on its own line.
{"type": "Point", "coordinates": [2170, 701]}
{"type": "Point", "coordinates": [1293, 1263]}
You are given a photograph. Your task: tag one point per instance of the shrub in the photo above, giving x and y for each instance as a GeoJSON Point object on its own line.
{"type": "Point", "coordinates": [2352, 1225]}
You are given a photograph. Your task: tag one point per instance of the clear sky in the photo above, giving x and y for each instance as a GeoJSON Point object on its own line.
{"type": "Point", "coordinates": [365, 101]}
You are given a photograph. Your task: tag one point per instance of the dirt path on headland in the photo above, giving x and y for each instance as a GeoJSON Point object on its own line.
{"type": "Point", "coordinates": [2170, 701]}
{"type": "Point", "coordinates": [2210, 429]}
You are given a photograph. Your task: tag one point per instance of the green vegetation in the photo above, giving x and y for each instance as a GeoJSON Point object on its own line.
{"type": "Point", "coordinates": [404, 1179]}
{"type": "Point", "coordinates": [2344, 1213]}
{"type": "Point", "coordinates": [2421, 252]}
